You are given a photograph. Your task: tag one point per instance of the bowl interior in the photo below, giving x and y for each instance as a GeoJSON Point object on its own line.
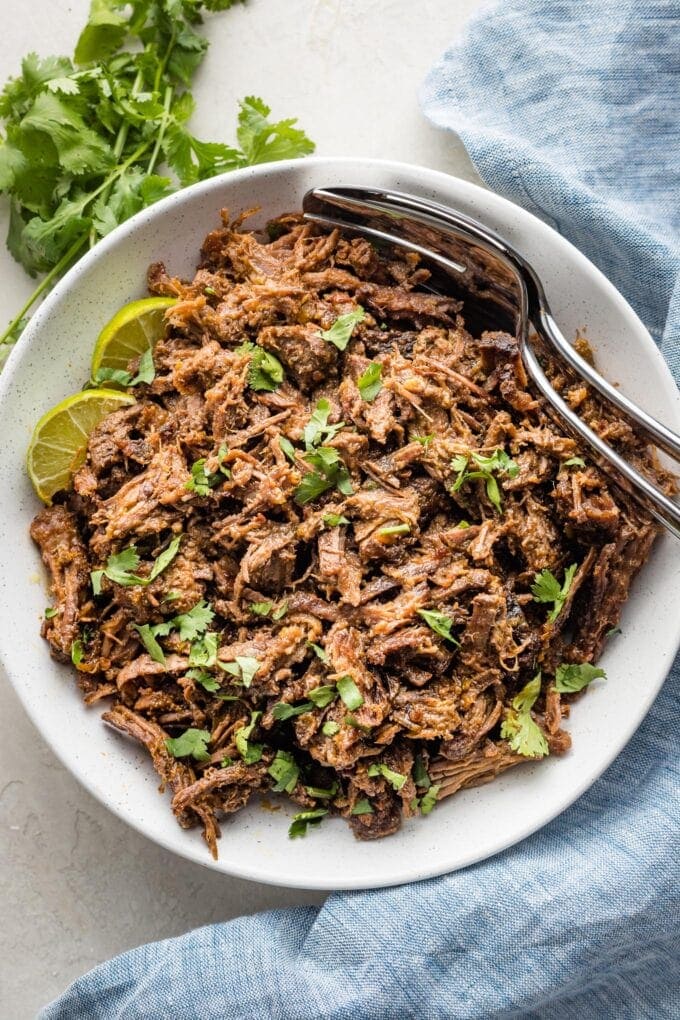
{"type": "Point", "coordinates": [52, 361]}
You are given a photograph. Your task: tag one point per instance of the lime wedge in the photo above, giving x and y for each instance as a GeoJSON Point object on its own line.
{"type": "Point", "coordinates": [59, 440]}
{"type": "Point", "coordinates": [131, 331]}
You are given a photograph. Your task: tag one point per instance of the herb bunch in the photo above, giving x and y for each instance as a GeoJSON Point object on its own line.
{"type": "Point", "coordinates": [83, 139]}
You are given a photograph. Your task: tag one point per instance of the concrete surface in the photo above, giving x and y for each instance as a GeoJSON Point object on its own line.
{"type": "Point", "coordinates": [76, 885]}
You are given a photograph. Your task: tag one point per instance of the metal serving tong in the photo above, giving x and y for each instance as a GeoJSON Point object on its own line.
{"type": "Point", "coordinates": [502, 291]}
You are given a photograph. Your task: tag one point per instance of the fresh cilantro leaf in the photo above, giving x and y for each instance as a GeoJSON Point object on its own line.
{"type": "Point", "coordinates": [334, 520]}
{"type": "Point", "coordinates": [226, 762]}
{"type": "Point", "coordinates": [282, 710]}
{"type": "Point", "coordinates": [440, 623]}
{"type": "Point", "coordinates": [288, 449]}
{"type": "Point", "coordinates": [322, 696]}
{"type": "Point", "coordinates": [546, 588]}
{"type": "Point", "coordinates": [423, 440]}
{"type": "Point", "coordinates": [195, 622]}
{"type": "Point", "coordinates": [148, 635]}
{"type": "Point", "coordinates": [571, 677]}
{"type": "Point", "coordinates": [395, 529]}
{"type": "Point", "coordinates": [77, 652]}
{"type": "Point", "coordinates": [285, 771]}
{"type": "Point", "coordinates": [463, 524]}
{"type": "Point", "coordinates": [320, 793]}
{"type": "Point", "coordinates": [340, 332]}
{"type": "Point", "coordinates": [261, 608]}
{"type": "Point", "coordinates": [317, 430]}
{"type": "Point", "coordinates": [395, 779]}
{"type": "Point", "coordinates": [51, 612]}
{"type": "Point", "coordinates": [350, 693]}
{"type": "Point", "coordinates": [311, 487]}
{"type": "Point", "coordinates": [165, 558]}
{"type": "Point", "coordinates": [192, 742]}
{"type": "Point", "coordinates": [203, 651]}
{"type": "Point", "coordinates": [250, 752]}
{"type": "Point", "coordinates": [487, 467]}
{"type": "Point", "coordinates": [208, 682]}
{"type": "Point", "coordinates": [202, 479]}
{"type": "Point", "coordinates": [362, 807]}
{"type": "Point", "coordinates": [280, 612]}
{"type": "Point", "coordinates": [574, 462]}
{"type": "Point", "coordinates": [524, 735]}
{"type": "Point", "coordinates": [318, 651]}
{"type": "Point", "coordinates": [370, 383]}
{"type": "Point", "coordinates": [302, 821]}
{"type": "Point", "coordinates": [428, 800]}
{"type": "Point", "coordinates": [420, 775]}
{"type": "Point", "coordinates": [330, 728]}
{"type": "Point", "coordinates": [243, 667]}
{"type": "Point", "coordinates": [351, 720]}
{"type": "Point", "coordinates": [263, 142]}
{"type": "Point", "coordinates": [266, 371]}
{"type": "Point", "coordinates": [104, 32]}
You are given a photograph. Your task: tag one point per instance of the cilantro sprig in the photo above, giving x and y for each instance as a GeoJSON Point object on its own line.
{"type": "Point", "coordinates": [302, 821]}
{"type": "Point", "coordinates": [329, 467]}
{"type": "Point", "coordinates": [486, 469]}
{"type": "Point", "coordinates": [440, 623]}
{"type": "Point", "coordinates": [546, 588]}
{"type": "Point", "coordinates": [572, 677]}
{"type": "Point", "coordinates": [369, 383]}
{"type": "Point", "coordinates": [146, 373]}
{"type": "Point", "coordinates": [192, 743]}
{"type": "Point", "coordinates": [83, 138]}
{"type": "Point", "coordinates": [202, 479]}
{"type": "Point", "coordinates": [120, 567]}
{"type": "Point", "coordinates": [341, 331]}
{"type": "Point", "coordinates": [265, 371]}
{"type": "Point", "coordinates": [519, 729]}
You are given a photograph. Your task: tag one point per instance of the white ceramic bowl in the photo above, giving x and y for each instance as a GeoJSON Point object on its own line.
{"type": "Point", "coordinates": [51, 361]}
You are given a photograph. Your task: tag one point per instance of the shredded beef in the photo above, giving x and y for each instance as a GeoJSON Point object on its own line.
{"type": "Point", "coordinates": [401, 585]}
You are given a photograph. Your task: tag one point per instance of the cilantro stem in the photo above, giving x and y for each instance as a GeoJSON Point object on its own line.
{"type": "Point", "coordinates": [167, 100]}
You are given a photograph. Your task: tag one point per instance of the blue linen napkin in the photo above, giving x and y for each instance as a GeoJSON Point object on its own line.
{"type": "Point", "coordinates": [572, 110]}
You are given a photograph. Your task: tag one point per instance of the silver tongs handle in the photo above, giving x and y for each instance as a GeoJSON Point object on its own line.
{"type": "Point", "coordinates": [363, 206]}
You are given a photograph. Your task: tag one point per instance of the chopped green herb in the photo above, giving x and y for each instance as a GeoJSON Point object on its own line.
{"type": "Point", "coordinates": [311, 487]}
{"type": "Point", "coordinates": [203, 651]}
{"type": "Point", "coordinates": [330, 472]}
{"type": "Point", "coordinates": [51, 612]}
{"type": "Point", "coordinates": [395, 529]}
{"type": "Point", "coordinates": [285, 771]}
{"type": "Point", "coordinates": [463, 524]}
{"type": "Point", "coordinates": [318, 651]}
{"type": "Point", "coordinates": [362, 807]}
{"type": "Point", "coordinates": [428, 800]}
{"type": "Point", "coordinates": [574, 462]}
{"type": "Point", "coordinates": [395, 779]}
{"type": "Point", "coordinates": [571, 677]}
{"type": "Point", "coordinates": [208, 682]}
{"type": "Point", "coordinates": [334, 519]}
{"type": "Point", "coordinates": [440, 623]}
{"type": "Point", "coordinates": [343, 327]}
{"type": "Point", "coordinates": [304, 820]}
{"type": "Point", "coordinates": [423, 440]}
{"type": "Point", "coordinates": [524, 735]}
{"type": "Point", "coordinates": [613, 631]}
{"type": "Point", "coordinates": [261, 608]}
{"type": "Point", "coordinates": [288, 449]}
{"type": "Point", "coordinates": [322, 696]}
{"type": "Point", "coordinates": [146, 372]}
{"type": "Point", "coordinates": [320, 793]}
{"type": "Point", "coordinates": [317, 430]}
{"type": "Point", "coordinates": [282, 710]}
{"type": "Point", "coordinates": [420, 775]}
{"type": "Point", "coordinates": [243, 667]}
{"type": "Point", "coordinates": [486, 468]}
{"type": "Point", "coordinates": [280, 612]}
{"type": "Point", "coordinates": [370, 383]}
{"type": "Point", "coordinates": [192, 742]}
{"type": "Point", "coordinates": [202, 480]}
{"type": "Point", "coordinates": [120, 567]}
{"type": "Point", "coordinates": [210, 292]}
{"type": "Point", "coordinates": [265, 371]}
{"type": "Point", "coordinates": [249, 751]}
{"type": "Point", "coordinates": [172, 596]}
{"type": "Point", "coordinates": [147, 636]}
{"type": "Point", "coordinates": [77, 652]}
{"type": "Point", "coordinates": [226, 762]}
{"type": "Point", "coordinates": [351, 720]}
{"type": "Point", "coordinates": [350, 693]}
{"type": "Point", "coordinates": [330, 728]}
{"type": "Point", "coordinates": [546, 588]}
{"type": "Point", "coordinates": [195, 622]}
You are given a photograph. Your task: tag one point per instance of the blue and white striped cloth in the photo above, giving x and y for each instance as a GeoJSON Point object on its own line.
{"type": "Point", "coordinates": [572, 109]}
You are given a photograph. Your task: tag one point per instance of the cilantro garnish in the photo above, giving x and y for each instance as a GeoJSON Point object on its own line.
{"type": "Point", "coordinates": [317, 431]}
{"type": "Point", "coordinates": [572, 677]}
{"type": "Point", "coordinates": [318, 651]}
{"type": "Point", "coordinates": [147, 634]}
{"type": "Point", "coordinates": [519, 729]}
{"type": "Point", "coordinates": [330, 472]}
{"type": "Point", "coordinates": [370, 383]}
{"type": "Point", "coordinates": [203, 651]}
{"type": "Point", "coordinates": [189, 626]}
{"type": "Point", "coordinates": [322, 696]}
{"type": "Point", "coordinates": [202, 480]}
{"type": "Point", "coordinates": [288, 448]}
{"type": "Point", "coordinates": [265, 371]}
{"type": "Point", "coordinates": [249, 751]}
{"type": "Point", "coordinates": [320, 793]}
{"type": "Point", "coordinates": [350, 693]}
{"type": "Point", "coordinates": [146, 372]}
{"type": "Point", "coordinates": [330, 728]}
{"type": "Point", "coordinates": [362, 807]}
{"type": "Point", "coordinates": [428, 800]}
{"type": "Point", "coordinates": [83, 137]}
{"type": "Point", "coordinates": [77, 652]}
{"type": "Point", "coordinates": [334, 520]}
{"type": "Point", "coordinates": [343, 327]}
{"type": "Point", "coordinates": [192, 742]}
{"type": "Point", "coordinates": [282, 710]}
{"type": "Point", "coordinates": [574, 462]}
{"type": "Point", "coordinates": [395, 779]}
{"type": "Point", "coordinates": [285, 771]}
{"type": "Point", "coordinates": [546, 588]}
{"type": "Point", "coordinates": [423, 440]}
{"type": "Point", "coordinates": [304, 820]}
{"type": "Point", "coordinates": [420, 775]}
{"type": "Point", "coordinates": [395, 529]}
{"type": "Point", "coordinates": [51, 612]}
{"type": "Point", "coordinates": [243, 667]}
{"type": "Point", "coordinates": [261, 608]}
{"type": "Point", "coordinates": [440, 623]}
{"type": "Point", "coordinates": [208, 682]}
{"type": "Point", "coordinates": [120, 567]}
{"type": "Point", "coordinates": [486, 468]}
